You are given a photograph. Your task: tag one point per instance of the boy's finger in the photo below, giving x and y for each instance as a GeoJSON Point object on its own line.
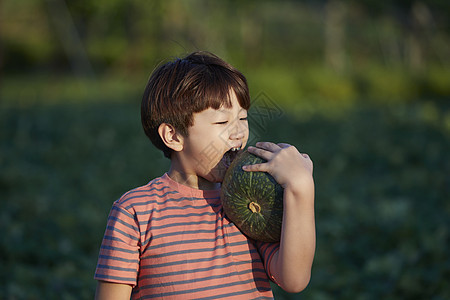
{"type": "Point", "coordinates": [268, 146]}
{"type": "Point", "coordinates": [265, 154]}
{"type": "Point", "coordinates": [284, 145]}
{"type": "Point", "coordinates": [255, 168]}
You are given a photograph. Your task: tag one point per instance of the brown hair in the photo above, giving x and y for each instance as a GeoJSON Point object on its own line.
{"type": "Point", "coordinates": [178, 89]}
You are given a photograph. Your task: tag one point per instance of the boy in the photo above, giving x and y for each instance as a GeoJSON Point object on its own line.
{"type": "Point", "coordinates": [170, 238]}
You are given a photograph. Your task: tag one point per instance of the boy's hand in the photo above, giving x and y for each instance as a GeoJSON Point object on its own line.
{"type": "Point", "coordinates": [291, 265]}
{"type": "Point", "coordinates": [289, 167]}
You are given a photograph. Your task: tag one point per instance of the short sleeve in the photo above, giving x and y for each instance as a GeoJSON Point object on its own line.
{"type": "Point", "coordinates": [267, 251]}
{"type": "Point", "coordinates": [118, 260]}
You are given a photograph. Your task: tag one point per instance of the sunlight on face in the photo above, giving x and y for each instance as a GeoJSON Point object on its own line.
{"type": "Point", "coordinates": [214, 133]}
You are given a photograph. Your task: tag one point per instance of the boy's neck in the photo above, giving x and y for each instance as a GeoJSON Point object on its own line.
{"type": "Point", "coordinates": [192, 180]}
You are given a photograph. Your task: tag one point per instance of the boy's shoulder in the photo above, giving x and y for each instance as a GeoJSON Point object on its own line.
{"type": "Point", "coordinates": [154, 190]}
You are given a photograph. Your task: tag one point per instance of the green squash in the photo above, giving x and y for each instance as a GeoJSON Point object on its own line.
{"type": "Point", "coordinates": [253, 201]}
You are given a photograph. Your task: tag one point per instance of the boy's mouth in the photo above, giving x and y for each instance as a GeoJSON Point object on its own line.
{"type": "Point", "coordinates": [230, 155]}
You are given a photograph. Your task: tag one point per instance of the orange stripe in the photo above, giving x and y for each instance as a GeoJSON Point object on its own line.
{"type": "Point", "coordinates": [188, 245]}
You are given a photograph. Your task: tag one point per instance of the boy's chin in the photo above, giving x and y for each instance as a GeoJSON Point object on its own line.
{"type": "Point", "coordinates": [217, 174]}
{"type": "Point", "coordinates": [215, 177]}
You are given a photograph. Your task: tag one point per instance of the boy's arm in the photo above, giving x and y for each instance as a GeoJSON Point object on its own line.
{"type": "Point", "coordinates": [291, 264]}
{"type": "Point", "coordinates": [112, 291]}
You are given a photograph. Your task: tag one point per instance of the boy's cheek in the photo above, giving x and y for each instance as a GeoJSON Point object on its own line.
{"type": "Point", "coordinates": [210, 165]}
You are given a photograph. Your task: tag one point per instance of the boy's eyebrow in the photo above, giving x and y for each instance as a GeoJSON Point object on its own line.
{"type": "Point", "coordinates": [223, 109]}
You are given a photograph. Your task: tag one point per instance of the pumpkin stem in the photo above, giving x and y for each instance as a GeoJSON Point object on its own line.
{"type": "Point", "coordinates": [254, 207]}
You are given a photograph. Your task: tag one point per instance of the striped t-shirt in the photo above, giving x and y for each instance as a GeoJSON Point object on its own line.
{"type": "Point", "coordinates": [169, 240]}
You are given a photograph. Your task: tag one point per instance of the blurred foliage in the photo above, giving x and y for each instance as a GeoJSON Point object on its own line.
{"type": "Point", "coordinates": [362, 86]}
{"type": "Point", "coordinates": [61, 168]}
{"type": "Point", "coordinates": [331, 50]}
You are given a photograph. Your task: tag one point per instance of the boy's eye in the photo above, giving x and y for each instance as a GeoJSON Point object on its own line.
{"type": "Point", "coordinates": [243, 119]}
{"type": "Point", "coordinates": [221, 123]}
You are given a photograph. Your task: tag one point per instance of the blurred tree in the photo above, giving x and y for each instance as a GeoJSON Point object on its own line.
{"type": "Point", "coordinates": [282, 42]}
{"type": "Point", "coordinates": [69, 35]}
{"type": "Point", "coordinates": [2, 49]}
{"type": "Point", "coordinates": [335, 15]}
{"type": "Point", "coordinates": [25, 34]}
{"type": "Point", "coordinates": [251, 31]}
{"type": "Point", "coordinates": [418, 30]}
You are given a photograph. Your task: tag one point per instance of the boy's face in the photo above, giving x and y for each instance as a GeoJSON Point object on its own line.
{"type": "Point", "coordinates": [214, 140]}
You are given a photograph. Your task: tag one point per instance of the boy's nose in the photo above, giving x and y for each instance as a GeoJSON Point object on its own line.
{"type": "Point", "coordinates": [237, 130]}
{"type": "Point", "coordinates": [237, 136]}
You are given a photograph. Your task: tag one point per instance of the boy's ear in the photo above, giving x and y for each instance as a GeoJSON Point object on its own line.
{"type": "Point", "coordinates": [170, 137]}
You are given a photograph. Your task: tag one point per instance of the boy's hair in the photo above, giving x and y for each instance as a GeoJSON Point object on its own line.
{"type": "Point", "coordinates": [178, 89]}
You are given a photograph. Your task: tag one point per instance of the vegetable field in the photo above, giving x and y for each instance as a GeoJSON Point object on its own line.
{"type": "Point", "coordinates": [382, 195]}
